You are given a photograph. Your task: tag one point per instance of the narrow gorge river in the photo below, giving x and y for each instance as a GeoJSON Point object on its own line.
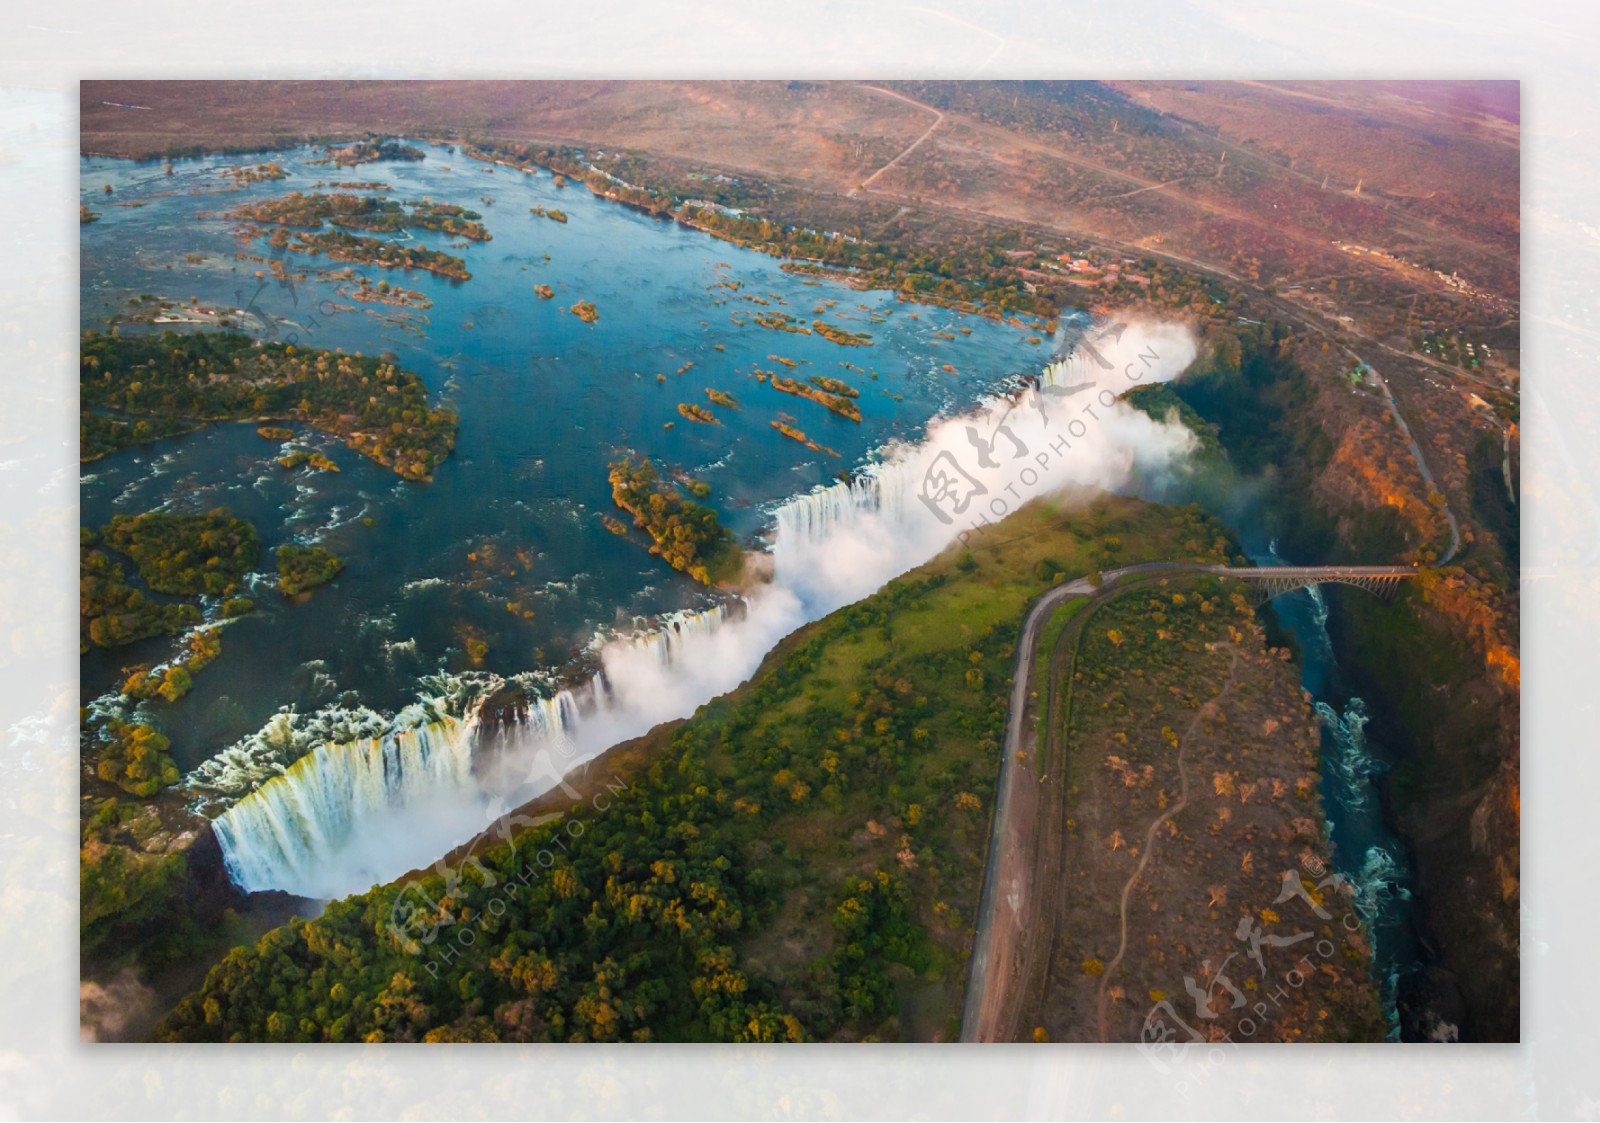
{"type": "Point", "coordinates": [1365, 850]}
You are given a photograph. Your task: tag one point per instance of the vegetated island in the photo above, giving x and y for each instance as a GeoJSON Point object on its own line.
{"type": "Point", "coordinates": [368, 151]}
{"type": "Point", "coordinates": [686, 535]}
{"type": "Point", "coordinates": [303, 568]}
{"type": "Point", "coordinates": [111, 612]}
{"type": "Point", "coordinates": [177, 555]}
{"type": "Point", "coordinates": [796, 435]}
{"type": "Point", "coordinates": [782, 321]}
{"type": "Point", "coordinates": [698, 413]}
{"type": "Point", "coordinates": [840, 336]}
{"type": "Point", "coordinates": [302, 458]}
{"type": "Point", "coordinates": [134, 757]}
{"type": "Point", "coordinates": [188, 555]}
{"type": "Point", "coordinates": [385, 293]}
{"type": "Point", "coordinates": [373, 213]}
{"type": "Point", "coordinates": [585, 311]}
{"type": "Point", "coordinates": [172, 680]}
{"type": "Point", "coordinates": [135, 389]}
{"type": "Point", "coordinates": [340, 246]}
{"type": "Point", "coordinates": [843, 405]}
{"type": "Point", "coordinates": [551, 213]}
{"type": "Point", "coordinates": [246, 174]}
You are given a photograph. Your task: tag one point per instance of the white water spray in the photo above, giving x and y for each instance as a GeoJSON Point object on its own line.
{"type": "Point", "coordinates": [349, 815]}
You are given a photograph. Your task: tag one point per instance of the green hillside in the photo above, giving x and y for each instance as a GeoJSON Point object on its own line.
{"type": "Point", "coordinates": [801, 860]}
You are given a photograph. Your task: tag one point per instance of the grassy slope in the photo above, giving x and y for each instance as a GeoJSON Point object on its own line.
{"type": "Point", "coordinates": [706, 902]}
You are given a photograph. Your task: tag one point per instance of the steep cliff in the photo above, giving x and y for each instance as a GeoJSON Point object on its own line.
{"type": "Point", "coordinates": [1335, 479]}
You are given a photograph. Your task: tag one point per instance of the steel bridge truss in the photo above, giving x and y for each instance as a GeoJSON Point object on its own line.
{"type": "Point", "coordinates": [1265, 585]}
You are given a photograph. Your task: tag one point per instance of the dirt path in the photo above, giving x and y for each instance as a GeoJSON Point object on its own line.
{"type": "Point", "coordinates": [1013, 934]}
{"type": "Point", "coordinates": [910, 148]}
{"type": "Point", "coordinates": [1150, 841]}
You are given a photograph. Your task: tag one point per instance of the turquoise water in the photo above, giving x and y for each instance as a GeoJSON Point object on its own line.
{"type": "Point", "coordinates": [545, 402]}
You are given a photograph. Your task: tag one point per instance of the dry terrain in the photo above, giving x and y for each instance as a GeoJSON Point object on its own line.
{"type": "Point", "coordinates": [1194, 894]}
{"type": "Point", "coordinates": [1255, 179]}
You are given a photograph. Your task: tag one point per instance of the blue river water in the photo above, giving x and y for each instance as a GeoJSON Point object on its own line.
{"type": "Point", "coordinates": [507, 543]}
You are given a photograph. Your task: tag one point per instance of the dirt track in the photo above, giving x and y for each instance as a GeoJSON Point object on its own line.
{"type": "Point", "coordinates": [1016, 914]}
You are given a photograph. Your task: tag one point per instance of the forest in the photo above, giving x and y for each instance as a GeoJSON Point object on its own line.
{"type": "Point", "coordinates": [174, 382]}
{"type": "Point", "coordinates": [187, 554]}
{"type": "Point", "coordinates": [113, 613]}
{"type": "Point", "coordinates": [135, 758]}
{"type": "Point", "coordinates": [799, 861]}
{"type": "Point", "coordinates": [178, 555]}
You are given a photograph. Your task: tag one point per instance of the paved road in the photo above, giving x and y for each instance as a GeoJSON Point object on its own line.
{"type": "Point", "coordinates": [1009, 839]}
{"type": "Point", "coordinates": [999, 966]}
{"type": "Point", "coordinates": [1306, 317]}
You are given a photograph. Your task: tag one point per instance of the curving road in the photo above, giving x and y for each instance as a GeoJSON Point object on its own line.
{"type": "Point", "coordinates": [1005, 947]}
{"type": "Point", "coordinates": [1010, 840]}
{"type": "Point", "coordinates": [1416, 453]}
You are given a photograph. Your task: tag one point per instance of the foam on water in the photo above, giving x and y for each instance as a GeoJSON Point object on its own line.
{"type": "Point", "coordinates": [332, 802]}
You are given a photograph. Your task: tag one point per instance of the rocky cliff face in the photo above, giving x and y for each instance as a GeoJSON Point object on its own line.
{"type": "Point", "coordinates": [1444, 696]}
{"type": "Point", "coordinates": [1372, 490]}
{"type": "Point", "coordinates": [1441, 672]}
{"type": "Point", "coordinates": [1439, 669]}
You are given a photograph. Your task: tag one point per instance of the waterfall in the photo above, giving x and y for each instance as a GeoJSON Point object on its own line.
{"type": "Point", "coordinates": [332, 802]}
{"type": "Point", "coordinates": [337, 814]}
{"type": "Point", "coordinates": [283, 832]}
{"type": "Point", "coordinates": [1076, 369]}
{"type": "Point", "coordinates": [887, 486]}
{"type": "Point", "coordinates": [880, 488]}
{"type": "Point", "coordinates": [667, 642]}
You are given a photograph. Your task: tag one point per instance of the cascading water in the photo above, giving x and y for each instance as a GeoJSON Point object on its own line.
{"type": "Point", "coordinates": [889, 487]}
{"type": "Point", "coordinates": [283, 832]}
{"type": "Point", "coordinates": [675, 631]}
{"type": "Point", "coordinates": [352, 812]}
{"type": "Point", "coordinates": [336, 801]}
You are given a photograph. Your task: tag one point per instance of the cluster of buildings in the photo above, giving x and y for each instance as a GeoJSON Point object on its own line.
{"type": "Point", "coordinates": [1064, 268]}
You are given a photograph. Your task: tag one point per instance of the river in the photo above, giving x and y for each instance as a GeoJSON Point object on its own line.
{"type": "Point", "coordinates": [1365, 850]}
{"type": "Point", "coordinates": [507, 544]}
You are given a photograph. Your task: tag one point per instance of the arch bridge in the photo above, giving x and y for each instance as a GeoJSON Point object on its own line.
{"type": "Point", "coordinates": [1267, 582]}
